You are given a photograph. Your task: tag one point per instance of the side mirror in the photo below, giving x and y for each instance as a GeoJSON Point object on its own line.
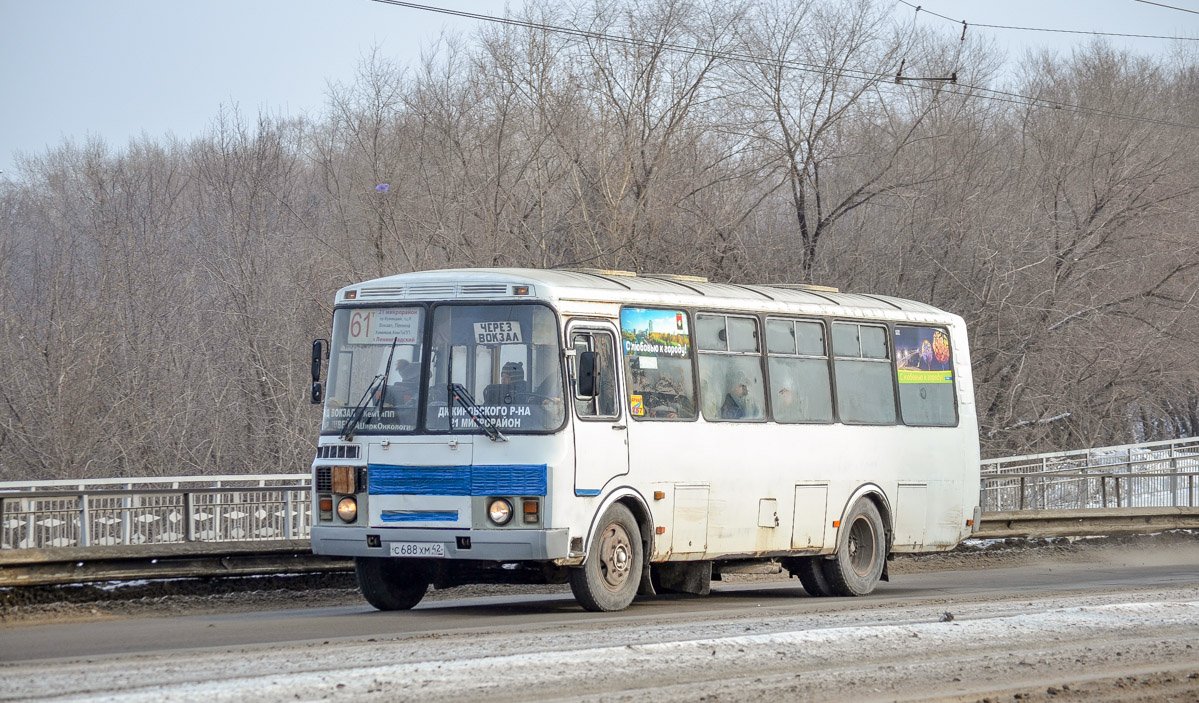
{"type": "Point", "coordinates": [587, 369]}
{"type": "Point", "coordinates": [318, 351]}
{"type": "Point", "coordinates": [316, 393]}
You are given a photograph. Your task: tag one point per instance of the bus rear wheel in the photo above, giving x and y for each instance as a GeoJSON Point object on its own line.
{"type": "Point", "coordinates": [861, 555]}
{"type": "Point", "coordinates": [608, 580]}
{"type": "Point", "coordinates": [811, 574]}
{"type": "Point", "coordinates": [392, 584]}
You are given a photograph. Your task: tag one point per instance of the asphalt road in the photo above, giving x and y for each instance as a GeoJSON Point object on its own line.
{"type": "Point", "coordinates": [1080, 625]}
{"type": "Point", "coordinates": [525, 613]}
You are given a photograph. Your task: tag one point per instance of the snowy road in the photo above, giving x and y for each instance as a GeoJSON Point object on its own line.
{"type": "Point", "coordinates": [1101, 631]}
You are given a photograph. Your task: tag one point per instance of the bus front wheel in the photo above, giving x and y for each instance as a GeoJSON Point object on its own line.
{"type": "Point", "coordinates": [391, 584]}
{"type": "Point", "coordinates": [861, 555]}
{"type": "Point", "coordinates": [608, 580]}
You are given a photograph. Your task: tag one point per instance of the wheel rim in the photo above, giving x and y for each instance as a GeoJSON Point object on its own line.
{"type": "Point", "coordinates": [861, 547]}
{"type": "Point", "coordinates": [616, 557]}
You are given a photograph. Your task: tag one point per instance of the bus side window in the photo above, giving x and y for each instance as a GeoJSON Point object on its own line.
{"type": "Point", "coordinates": [730, 368]}
{"type": "Point", "coordinates": [799, 373]}
{"type": "Point", "coordinates": [924, 365]}
{"type": "Point", "coordinates": [656, 346]}
{"type": "Point", "coordinates": [603, 403]}
{"type": "Point", "coordinates": [862, 367]}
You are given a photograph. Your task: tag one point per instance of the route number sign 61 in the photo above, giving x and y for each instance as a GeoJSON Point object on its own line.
{"type": "Point", "coordinates": [384, 325]}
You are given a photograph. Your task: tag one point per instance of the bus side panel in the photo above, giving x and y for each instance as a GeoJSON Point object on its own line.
{"type": "Point", "coordinates": [930, 463]}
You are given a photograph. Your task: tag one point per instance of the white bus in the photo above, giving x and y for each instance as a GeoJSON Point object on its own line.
{"type": "Point", "coordinates": [636, 433]}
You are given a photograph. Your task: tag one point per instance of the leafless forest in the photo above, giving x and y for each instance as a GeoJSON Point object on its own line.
{"type": "Point", "coordinates": [157, 299]}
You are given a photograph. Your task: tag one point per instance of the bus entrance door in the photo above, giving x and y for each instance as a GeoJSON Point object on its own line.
{"type": "Point", "coordinates": [600, 433]}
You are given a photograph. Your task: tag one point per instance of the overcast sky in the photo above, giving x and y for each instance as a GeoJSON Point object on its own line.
{"type": "Point", "coordinates": [120, 68]}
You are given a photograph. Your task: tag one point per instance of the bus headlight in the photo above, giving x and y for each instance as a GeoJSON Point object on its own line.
{"type": "Point", "coordinates": [500, 511]}
{"type": "Point", "coordinates": [347, 509]}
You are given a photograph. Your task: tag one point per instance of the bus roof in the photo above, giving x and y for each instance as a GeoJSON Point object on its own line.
{"type": "Point", "coordinates": [630, 289]}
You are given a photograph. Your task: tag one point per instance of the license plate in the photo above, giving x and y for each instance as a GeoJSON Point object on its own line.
{"type": "Point", "coordinates": [418, 549]}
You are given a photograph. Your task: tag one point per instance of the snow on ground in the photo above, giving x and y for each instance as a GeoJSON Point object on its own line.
{"type": "Point", "coordinates": [562, 662]}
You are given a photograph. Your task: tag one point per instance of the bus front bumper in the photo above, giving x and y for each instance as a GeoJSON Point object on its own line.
{"type": "Point", "coordinates": [486, 545]}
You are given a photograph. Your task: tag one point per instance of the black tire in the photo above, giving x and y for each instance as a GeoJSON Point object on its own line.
{"type": "Point", "coordinates": [811, 575]}
{"type": "Point", "coordinates": [861, 555]}
{"type": "Point", "coordinates": [392, 584]}
{"type": "Point", "coordinates": [608, 580]}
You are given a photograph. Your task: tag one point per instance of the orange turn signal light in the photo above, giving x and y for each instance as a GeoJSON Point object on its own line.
{"type": "Point", "coordinates": [659, 495]}
{"type": "Point", "coordinates": [836, 523]}
{"type": "Point", "coordinates": [969, 523]}
{"type": "Point", "coordinates": [659, 530]}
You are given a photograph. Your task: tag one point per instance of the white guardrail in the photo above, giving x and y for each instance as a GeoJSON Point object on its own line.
{"type": "Point", "coordinates": [143, 511]}
{"type": "Point", "coordinates": [1147, 475]}
{"type": "Point", "coordinates": [244, 509]}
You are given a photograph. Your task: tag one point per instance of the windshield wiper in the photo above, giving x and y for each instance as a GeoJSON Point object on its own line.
{"type": "Point", "coordinates": [387, 372]}
{"type": "Point", "coordinates": [379, 382]}
{"type": "Point", "coordinates": [459, 394]}
{"type": "Point", "coordinates": [347, 430]}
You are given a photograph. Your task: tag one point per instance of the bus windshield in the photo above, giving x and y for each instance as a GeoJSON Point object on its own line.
{"type": "Point", "coordinates": [506, 357]}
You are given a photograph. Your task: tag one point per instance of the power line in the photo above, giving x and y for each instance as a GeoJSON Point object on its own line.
{"type": "Point", "coordinates": [1018, 99]}
{"type": "Point", "coordinates": [1169, 7]}
{"type": "Point", "coordinates": [680, 48]}
{"type": "Point", "coordinates": [950, 85]}
{"type": "Point", "coordinates": [920, 8]}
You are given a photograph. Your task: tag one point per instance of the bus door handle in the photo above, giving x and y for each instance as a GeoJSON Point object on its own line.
{"type": "Point", "coordinates": [619, 427]}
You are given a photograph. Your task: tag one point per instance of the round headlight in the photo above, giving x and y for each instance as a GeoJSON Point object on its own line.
{"type": "Point", "coordinates": [347, 509]}
{"type": "Point", "coordinates": [500, 511]}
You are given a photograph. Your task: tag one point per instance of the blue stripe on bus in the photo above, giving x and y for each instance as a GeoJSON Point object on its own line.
{"type": "Point", "coordinates": [418, 480]}
{"type": "Point", "coordinates": [479, 480]}
{"type": "Point", "coordinates": [419, 516]}
{"type": "Point", "coordinates": [587, 492]}
{"type": "Point", "coordinates": [509, 479]}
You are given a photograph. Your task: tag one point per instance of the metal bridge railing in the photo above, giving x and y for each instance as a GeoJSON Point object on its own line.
{"type": "Point", "coordinates": [144, 511]}
{"type": "Point", "coordinates": [271, 507]}
{"type": "Point", "coordinates": [1152, 474]}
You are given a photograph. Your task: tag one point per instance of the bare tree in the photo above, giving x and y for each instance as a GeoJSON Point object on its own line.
{"type": "Point", "coordinates": [1103, 277]}
{"type": "Point", "coordinates": [822, 84]}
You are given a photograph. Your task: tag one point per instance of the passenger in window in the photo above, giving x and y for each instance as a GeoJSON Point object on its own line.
{"type": "Point", "coordinates": [785, 407]}
{"type": "Point", "coordinates": [737, 404]}
{"type": "Point", "coordinates": [664, 397]}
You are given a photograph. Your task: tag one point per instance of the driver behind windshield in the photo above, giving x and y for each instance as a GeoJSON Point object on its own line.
{"type": "Point", "coordinates": [511, 386]}
{"type": "Point", "coordinates": [401, 390]}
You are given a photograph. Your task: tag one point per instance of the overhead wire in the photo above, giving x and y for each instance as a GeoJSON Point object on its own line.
{"type": "Point", "coordinates": [921, 8]}
{"type": "Point", "coordinates": [1169, 7]}
{"type": "Point", "coordinates": [680, 48]}
{"type": "Point", "coordinates": [946, 84]}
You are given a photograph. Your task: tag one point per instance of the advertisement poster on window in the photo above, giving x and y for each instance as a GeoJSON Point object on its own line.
{"type": "Point", "coordinates": [655, 333]}
{"type": "Point", "coordinates": [657, 352]}
{"type": "Point", "coordinates": [923, 355]}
